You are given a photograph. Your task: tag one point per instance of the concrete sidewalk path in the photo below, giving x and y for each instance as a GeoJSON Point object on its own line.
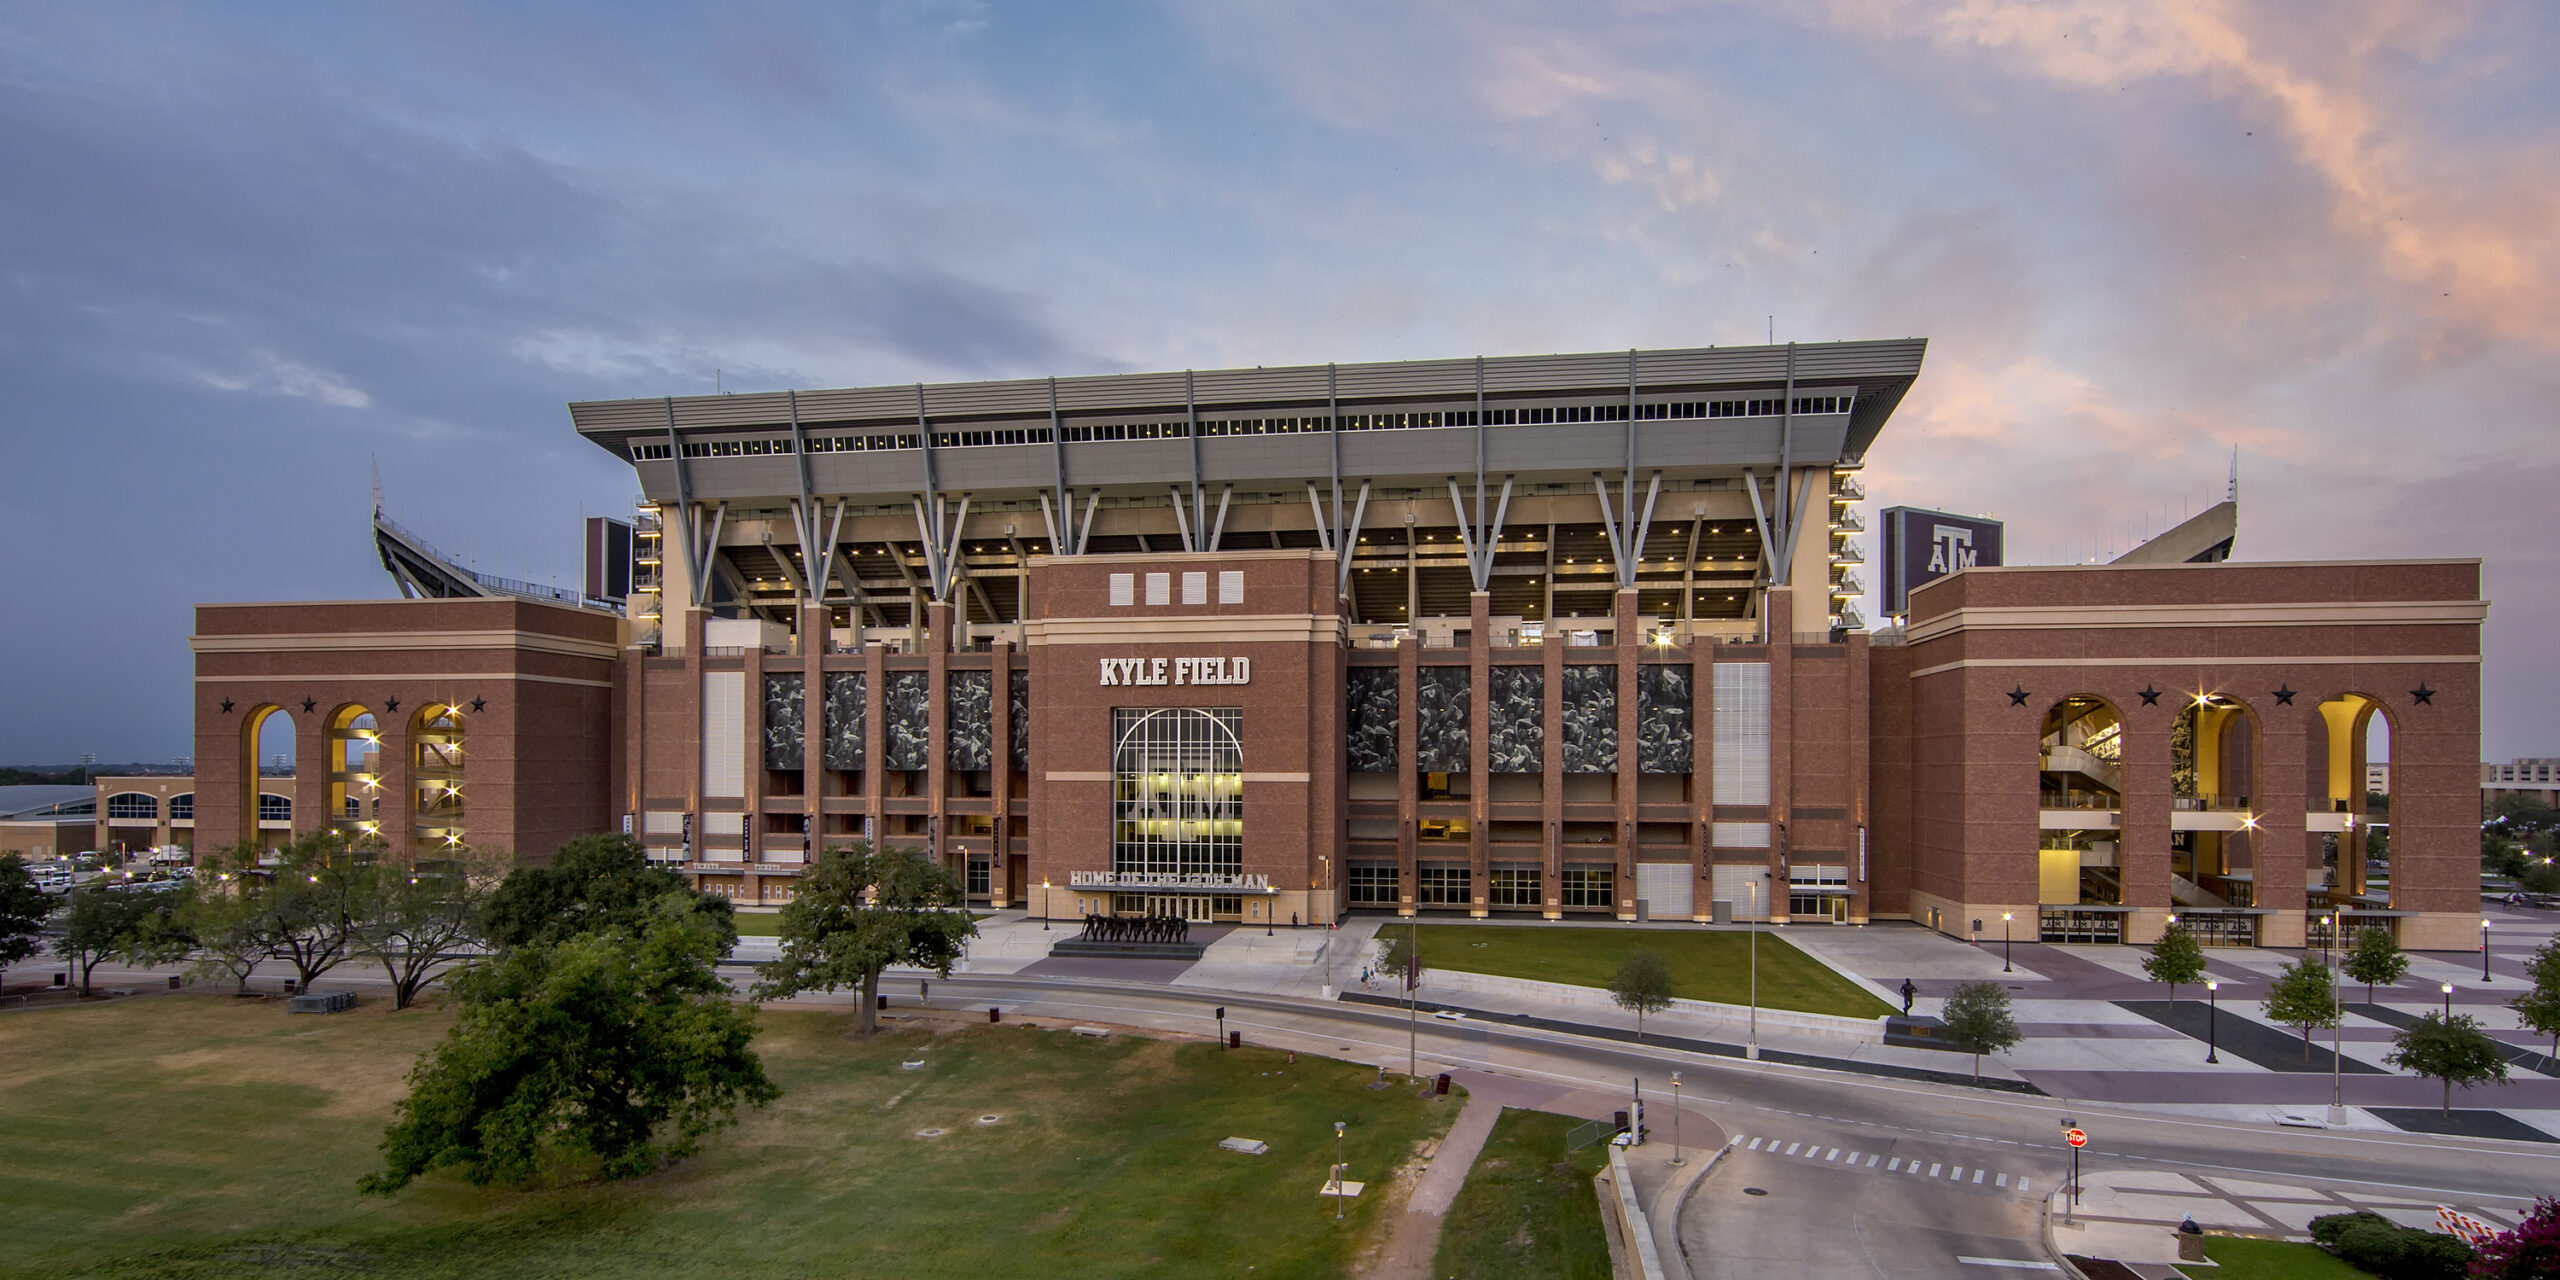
{"type": "Point", "coordinates": [1415, 1237]}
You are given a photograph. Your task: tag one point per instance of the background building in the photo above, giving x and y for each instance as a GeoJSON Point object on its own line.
{"type": "Point", "coordinates": [2536, 779]}
{"type": "Point", "coordinates": [46, 821]}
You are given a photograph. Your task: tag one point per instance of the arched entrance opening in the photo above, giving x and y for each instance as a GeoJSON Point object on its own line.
{"type": "Point", "coordinates": [1177, 810]}
{"type": "Point", "coordinates": [2080, 785]}
{"type": "Point", "coordinates": [267, 789]}
{"type": "Point", "coordinates": [435, 771]}
{"type": "Point", "coordinates": [2213, 763]}
{"type": "Point", "coordinates": [355, 773]}
{"type": "Point", "coordinates": [2352, 792]}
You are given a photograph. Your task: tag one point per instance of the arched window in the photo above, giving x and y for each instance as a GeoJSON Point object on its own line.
{"type": "Point", "coordinates": [1177, 791]}
{"type": "Point", "coordinates": [274, 808]}
{"type": "Point", "coordinates": [182, 807]}
{"type": "Point", "coordinates": [132, 804]}
{"type": "Point", "coordinates": [435, 741]}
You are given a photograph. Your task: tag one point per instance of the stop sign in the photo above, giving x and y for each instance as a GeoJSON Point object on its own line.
{"type": "Point", "coordinates": [2076, 1137]}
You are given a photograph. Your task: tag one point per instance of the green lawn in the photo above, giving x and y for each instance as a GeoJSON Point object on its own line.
{"type": "Point", "coordinates": [2246, 1259]}
{"type": "Point", "coordinates": [1528, 1210]}
{"type": "Point", "coordinates": [202, 1136]}
{"type": "Point", "coordinates": [1705, 964]}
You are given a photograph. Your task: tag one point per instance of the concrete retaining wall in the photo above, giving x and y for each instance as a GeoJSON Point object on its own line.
{"type": "Point", "coordinates": [1441, 984]}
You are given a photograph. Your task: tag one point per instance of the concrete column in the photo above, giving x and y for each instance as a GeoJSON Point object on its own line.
{"type": "Point", "coordinates": [875, 745]}
{"type": "Point", "coordinates": [814, 621]}
{"type": "Point", "coordinates": [1782, 734]}
{"type": "Point", "coordinates": [311, 811]}
{"type": "Point", "coordinates": [1628, 650]}
{"type": "Point", "coordinates": [1551, 784]}
{"type": "Point", "coordinates": [2279, 848]}
{"type": "Point", "coordinates": [1000, 854]}
{"type": "Point", "coordinates": [1408, 782]}
{"type": "Point", "coordinates": [937, 734]}
{"type": "Point", "coordinates": [1479, 748]}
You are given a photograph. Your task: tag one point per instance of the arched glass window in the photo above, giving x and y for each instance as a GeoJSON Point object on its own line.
{"type": "Point", "coordinates": [274, 808]}
{"type": "Point", "coordinates": [1177, 791]}
{"type": "Point", "coordinates": [132, 804]}
{"type": "Point", "coordinates": [182, 807]}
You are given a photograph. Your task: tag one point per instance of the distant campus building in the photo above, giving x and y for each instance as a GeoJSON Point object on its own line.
{"type": "Point", "coordinates": [1560, 636]}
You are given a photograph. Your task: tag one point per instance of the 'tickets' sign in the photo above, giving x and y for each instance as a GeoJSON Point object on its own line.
{"type": "Point", "coordinates": [1921, 547]}
{"type": "Point", "coordinates": [1136, 671]}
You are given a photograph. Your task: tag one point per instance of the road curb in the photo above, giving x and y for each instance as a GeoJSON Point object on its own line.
{"type": "Point", "coordinates": [2053, 1250]}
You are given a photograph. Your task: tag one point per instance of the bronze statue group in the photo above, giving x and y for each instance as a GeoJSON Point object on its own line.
{"type": "Point", "coordinates": [1156, 928]}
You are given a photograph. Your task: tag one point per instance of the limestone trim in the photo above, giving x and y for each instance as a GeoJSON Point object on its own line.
{"type": "Point", "coordinates": [2336, 613]}
{"type": "Point", "coordinates": [1268, 628]}
{"type": "Point", "coordinates": [379, 677]}
{"type": "Point", "coordinates": [412, 641]}
{"type": "Point", "coordinates": [2368, 660]}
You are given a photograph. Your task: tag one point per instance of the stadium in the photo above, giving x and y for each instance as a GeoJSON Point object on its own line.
{"type": "Point", "coordinates": [1567, 636]}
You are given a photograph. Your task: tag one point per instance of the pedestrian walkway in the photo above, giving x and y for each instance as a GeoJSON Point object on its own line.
{"type": "Point", "coordinates": [1877, 1162]}
{"type": "Point", "coordinates": [1415, 1237]}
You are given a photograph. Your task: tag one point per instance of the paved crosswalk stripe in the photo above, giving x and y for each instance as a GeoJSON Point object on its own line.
{"type": "Point", "coordinates": [1933, 1169]}
{"type": "Point", "coordinates": [1896, 1165]}
{"type": "Point", "coordinates": [1791, 1147]}
{"type": "Point", "coordinates": [1871, 1160]}
{"type": "Point", "coordinates": [1755, 1144]}
{"type": "Point", "coordinates": [1977, 1176]}
{"type": "Point", "coordinates": [1835, 1154]}
{"type": "Point", "coordinates": [2022, 1184]}
{"type": "Point", "coordinates": [1853, 1156]}
{"type": "Point", "coordinates": [1956, 1176]}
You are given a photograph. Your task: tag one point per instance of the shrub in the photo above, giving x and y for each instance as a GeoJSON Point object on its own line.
{"type": "Point", "coordinates": [2403, 1253]}
{"type": "Point", "coordinates": [2326, 1230]}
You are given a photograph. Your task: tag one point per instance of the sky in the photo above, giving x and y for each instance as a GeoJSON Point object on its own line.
{"type": "Point", "coordinates": [250, 254]}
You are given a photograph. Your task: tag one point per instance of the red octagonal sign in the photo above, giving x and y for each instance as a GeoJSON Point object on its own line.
{"type": "Point", "coordinates": [2076, 1137]}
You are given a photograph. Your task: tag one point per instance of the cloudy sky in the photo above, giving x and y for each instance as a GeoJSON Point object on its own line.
{"type": "Point", "coordinates": [249, 252]}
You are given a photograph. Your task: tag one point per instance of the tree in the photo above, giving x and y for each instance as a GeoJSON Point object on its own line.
{"type": "Point", "coordinates": [2177, 958]}
{"type": "Point", "coordinates": [1642, 985]}
{"type": "Point", "coordinates": [1400, 954]}
{"type": "Point", "coordinates": [413, 920]}
{"type": "Point", "coordinates": [101, 923]}
{"type": "Point", "coordinates": [2454, 1050]}
{"type": "Point", "coordinates": [2300, 997]}
{"type": "Point", "coordinates": [592, 884]}
{"type": "Point", "coordinates": [2539, 1007]}
{"type": "Point", "coordinates": [228, 928]}
{"type": "Point", "coordinates": [2530, 1252]}
{"type": "Point", "coordinates": [311, 903]}
{"type": "Point", "coordinates": [860, 911]}
{"type": "Point", "coordinates": [23, 910]}
{"type": "Point", "coordinates": [1978, 1020]}
{"type": "Point", "coordinates": [2375, 960]}
{"type": "Point", "coordinates": [617, 1051]}
{"type": "Point", "coordinates": [2541, 875]}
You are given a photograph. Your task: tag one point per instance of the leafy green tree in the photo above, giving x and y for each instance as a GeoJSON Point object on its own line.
{"type": "Point", "coordinates": [2454, 1050]}
{"type": "Point", "coordinates": [311, 901]}
{"type": "Point", "coordinates": [2301, 997]}
{"type": "Point", "coordinates": [860, 911]}
{"type": "Point", "coordinates": [416, 922]}
{"type": "Point", "coordinates": [23, 910]}
{"type": "Point", "coordinates": [2541, 875]}
{"type": "Point", "coordinates": [2539, 1007]}
{"type": "Point", "coordinates": [2375, 960]}
{"type": "Point", "coordinates": [100, 924]}
{"type": "Point", "coordinates": [1978, 1021]}
{"type": "Point", "coordinates": [1400, 954]}
{"type": "Point", "coordinates": [617, 1051]}
{"type": "Point", "coordinates": [592, 884]}
{"type": "Point", "coordinates": [1642, 985]}
{"type": "Point", "coordinates": [2177, 959]}
{"type": "Point", "coordinates": [223, 921]}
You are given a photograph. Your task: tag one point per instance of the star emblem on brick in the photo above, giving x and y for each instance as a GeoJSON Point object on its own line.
{"type": "Point", "coordinates": [2284, 696]}
{"type": "Point", "coordinates": [479, 703]}
{"type": "Point", "coordinates": [307, 705]}
{"type": "Point", "coordinates": [2150, 696]}
{"type": "Point", "coordinates": [226, 706]}
{"type": "Point", "coordinates": [390, 704]}
{"type": "Point", "coordinates": [2018, 696]}
{"type": "Point", "coordinates": [2424, 695]}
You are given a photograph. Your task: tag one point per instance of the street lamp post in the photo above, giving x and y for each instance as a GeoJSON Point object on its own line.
{"type": "Point", "coordinates": [1751, 1049]}
{"type": "Point", "coordinates": [1044, 906]}
{"type": "Point", "coordinates": [2212, 1019]}
{"type": "Point", "coordinates": [1675, 1119]}
{"type": "Point", "coordinates": [1338, 1127]}
{"type": "Point", "coordinates": [2337, 1039]}
{"type": "Point", "coordinates": [2004, 943]}
{"type": "Point", "coordinates": [2484, 951]}
{"type": "Point", "coordinates": [2448, 1002]}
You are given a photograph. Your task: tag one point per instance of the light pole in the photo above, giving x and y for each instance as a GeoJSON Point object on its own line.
{"type": "Point", "coordinates": [1338, 1127]}
{"type": "Point", "coordinates": [2212, 1019]}
{"type": "Point", "coordinates": [2004, 943]}
{"type": "Point", "coordinates": [2484, 951]}
{"type": "Point", "coordinates": [1044, 906]}
{"type": "Point", "coordinates": [1751, 1050]}
{"type": "Point", "coordinates": [1675, 1119]}
{"type": "Point", "coordinates": [2448, 1002]}
{"type": "Point", "coordinates": [2337, 1039]}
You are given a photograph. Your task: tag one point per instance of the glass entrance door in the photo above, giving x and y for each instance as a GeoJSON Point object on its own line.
{"type": "Point", "coordinates": [1186, 906]}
